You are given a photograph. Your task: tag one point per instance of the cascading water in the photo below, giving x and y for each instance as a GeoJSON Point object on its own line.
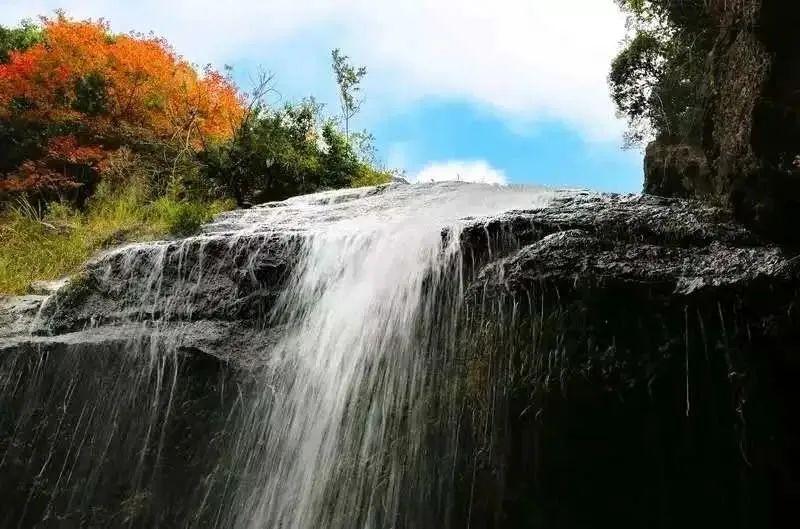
{"type": "Point", "coordinates": [351, 354]}
{"type": "Point", "coordinates": [409, 357]}
{"type": "Point", "coordinates": [339, 422]}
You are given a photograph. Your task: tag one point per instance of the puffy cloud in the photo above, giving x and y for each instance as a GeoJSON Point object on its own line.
{"type": "Point", "coordinates": [527, 60]}
{"type": "Point", "coordinates": [461, 170]}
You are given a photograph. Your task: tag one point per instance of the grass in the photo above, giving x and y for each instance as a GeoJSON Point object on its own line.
{"type": "Point", "coordinates": [367, 176]}
{"type": "Point", "coordinates": [37, 246]}
{"type": "Point", "coordinates": [41, 246]}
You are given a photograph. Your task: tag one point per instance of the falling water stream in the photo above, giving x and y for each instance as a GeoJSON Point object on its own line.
{"type": "Point", "coordinates": [337, 433]}
{"type": "Point", "coordinates": [359, 325]}
{"type": "Point", "coordinates": [428, 356]}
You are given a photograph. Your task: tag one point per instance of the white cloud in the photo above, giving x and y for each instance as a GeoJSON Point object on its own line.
{"type": "Point", "coordinates": [461, 170]}
{"type": "Point", "coordinates": [526, 60]}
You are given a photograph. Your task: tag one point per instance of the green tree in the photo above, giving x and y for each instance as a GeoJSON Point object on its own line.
{"type": "Point", "coordinates": [277, 153]}
{"type": "Point", "coordinates": [348, 78]}
{"type": "Point", "coordinates": [91, 95]}
{"type": "Point", "coordinates": [291, 150]}
{"type": "Point", "coordinates": [340, 163]}
{"type": "Point", "coordinates": [18, 39]}
{"type": "Point", "coordinates": [656, 80]}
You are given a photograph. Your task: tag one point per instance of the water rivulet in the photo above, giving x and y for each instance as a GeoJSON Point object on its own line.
{"type": "Point", "coordinates": [427, 356]}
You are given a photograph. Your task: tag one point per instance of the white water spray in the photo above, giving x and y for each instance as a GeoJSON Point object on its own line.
{"type": "Point", "coordinates": [332, 438]}
{"type": "Point", "coordinates": [353, 361]}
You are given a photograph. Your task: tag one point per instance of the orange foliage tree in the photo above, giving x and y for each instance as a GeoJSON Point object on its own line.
{"type": "Point", "coordinates": [91, 83]}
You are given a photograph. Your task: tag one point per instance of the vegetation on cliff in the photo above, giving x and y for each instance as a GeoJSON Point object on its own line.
{"type": "Point", "coordinates": [715, 84]}
{"type": "Point", "coordinates": [656, 80]}
{"type": "Point", "coordinates": [109, 137]}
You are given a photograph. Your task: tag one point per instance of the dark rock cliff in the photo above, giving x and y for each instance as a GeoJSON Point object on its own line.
{"type": "Point", "coordinates": [628, 361]}
{"type": "Point", "coordinates": [751, 122]}
{"type": "Point", "coordinates": [650, 381]}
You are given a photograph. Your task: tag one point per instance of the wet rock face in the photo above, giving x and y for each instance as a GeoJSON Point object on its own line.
{"type": "Point", "coordinates": [753, 129]}
{"type": "Point", "coordinates": [751, 123]}
{"type": "Point", "coordinates": [215, 278]}
{"type": "Point", "coordinates": [677, 171]}
{"type": "Point", "coordinates": [630, 361]}
{"type": "Point", "coordinates": [91, 438]}
{"type": "Point", "coordinates": [119, 392]}
{"type": "Point", "coordinates": [17, 314]}
{"type": "Point", "coordinates": [208, 295]}
{"type": "Point", "coordinates": [678, 246]}
{"type": "Point", "coordinates": [648, 352]}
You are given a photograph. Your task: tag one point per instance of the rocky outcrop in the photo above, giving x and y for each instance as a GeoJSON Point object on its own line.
{"type": "Point", "coordinates": [641, 369]}
{"type": "Point", "coordinates": [119, 391]}
{"type": "Point", "coordinates": [677, 171]}
{"type": "Point", "coordinates": [93, 437]}
{"type": "Point", "coordinates": [751, 122]}
{"type": "Point", "coordinates": [628, 361]}
{"type": "Point", "coordinates": [753, 125]}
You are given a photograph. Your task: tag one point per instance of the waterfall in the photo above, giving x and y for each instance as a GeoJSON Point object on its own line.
{"type": "Point", "coordinates": [351, 301]}
{"type": "Point", "coordinates": [429, 356]}
{"type": "Point", "coordinates": [339, 421]}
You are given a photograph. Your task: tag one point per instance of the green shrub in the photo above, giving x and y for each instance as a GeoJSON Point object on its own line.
{"type": "Point", "coordinates": [179, 217]}
{"type": "Point", "coordinates": [18, 39]}
{"type": "Point", "coordinates": [278, 153]}
{"type": "Point", "coordinates": [368, 176]}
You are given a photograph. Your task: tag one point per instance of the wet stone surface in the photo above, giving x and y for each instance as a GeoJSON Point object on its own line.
{"type": "Point", "coordinates": [609, 341]}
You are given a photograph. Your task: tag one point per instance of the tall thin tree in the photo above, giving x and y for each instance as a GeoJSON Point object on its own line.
{"type": "Point", "coordinates": [348, 77]}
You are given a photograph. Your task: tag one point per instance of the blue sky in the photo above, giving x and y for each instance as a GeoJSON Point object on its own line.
{"type": "Point", "coordinates": [503, 91]}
